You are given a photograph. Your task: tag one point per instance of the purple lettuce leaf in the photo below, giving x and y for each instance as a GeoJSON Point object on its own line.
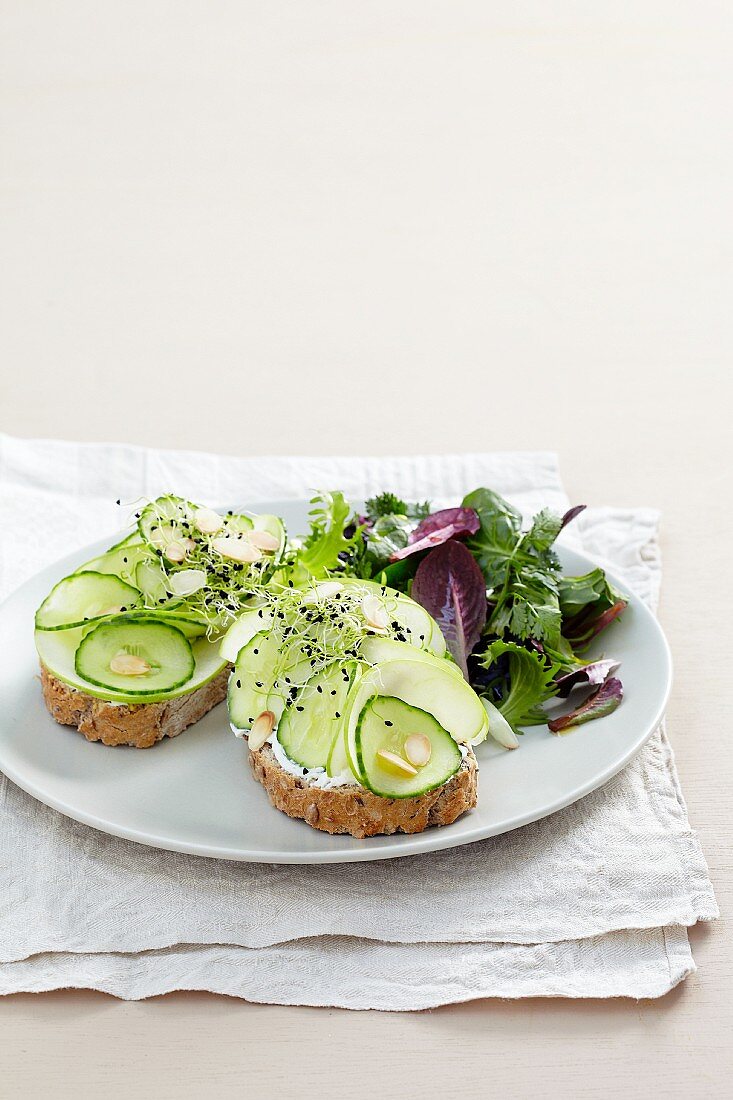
{"type": "Point", "coordinates": [451, 587]}
{"type": "Point", "coordinates": [583, 628]}
{"type": "Point", "coordinates": [438, 528]}
{"type": "Point", "coordinates": [588, 675]}
{"type": "Point", "coordinates": [604, 700]}
{"type": "Point", "coordinates": [571, 514]}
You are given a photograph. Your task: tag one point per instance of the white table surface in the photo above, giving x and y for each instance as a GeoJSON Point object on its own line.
{"type": "Point", "coordinates": [341, 227]}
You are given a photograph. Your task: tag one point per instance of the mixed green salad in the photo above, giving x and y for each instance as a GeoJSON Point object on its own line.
{"type": "Point", "coordinates": [516, 627]}
{"type": "Point", "coordinates": [375, 649]}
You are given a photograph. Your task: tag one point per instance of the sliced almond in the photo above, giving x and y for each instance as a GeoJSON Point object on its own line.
{"type": "Point", "coordinates": [263, 540]}
{"type": "Point", "coordinates": [127, 664]}
{"type": "Point", "coordinates": [187, 581]}
{"type": "Point", "coordinates": [324, 591]}
{"type": "Point", "coordinates": [262, 727]}
{"type": "Point", "coordinates": [236, 549]}
{"type": "Point", "coordinates": [418, 749]}
{"type": "Point", "coordinates": [374, 612]}
{"type": "Point", "coordinates": [176, 550]}
{"type": "Point", "coordinates": [207, 521]}
{"type": "Point", "coordinates": [328, 590]}
{"type": "Point", "coordinates": [394, 763]}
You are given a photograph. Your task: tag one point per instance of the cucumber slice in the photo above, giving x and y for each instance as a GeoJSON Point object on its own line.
{"type": "Point", "coordinates": [384, 725]}
{"type": "Point", "coordinates": [123, 561]}
{"type": "Point", "coordinates": [152, 581]}
{"type": "Point", "coordinates": [128, 540]}
{"type": "Point", "coordinates": [427, 684]}
{"type": "Point", "coordinates": [242, 631]}
{"type": "Point", "coordinates": [165, 650]}
{"type": "Point", "coordinates": [82, 597]}
{"type": "Point", "coordinates": [251, 683]}
{"type": "Point", "coordinates": [407, 619]}
{"type": "Point", "coordinates": [166, 520]}
{"type": "Point", "coordinates": [236, 525]}
{"type": "Point", "coordinates": [376, 650]}
{"type": "Point", "coordinates": [185, 621]}
{"type": "Point", "coordinates": [338, 760]}
{"type": "Point", "coordinates": [414, 623]}
{"type": "Point", "coordinates": [261, 682]}
{"type": "Point", "coordinates": [57, 649]}
{"type": "Point", "coordinates": [313, 719]}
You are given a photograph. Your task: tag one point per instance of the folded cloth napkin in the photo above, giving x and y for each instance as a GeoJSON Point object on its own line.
{"type": "Point", "coordinates": [591, 902]}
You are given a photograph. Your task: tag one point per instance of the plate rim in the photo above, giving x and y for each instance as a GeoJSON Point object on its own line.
{"type": "Point", "coordinates": [430, 840]}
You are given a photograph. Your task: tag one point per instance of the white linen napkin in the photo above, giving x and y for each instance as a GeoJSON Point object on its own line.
{"type": "Point", "coordinates": [517, 915]}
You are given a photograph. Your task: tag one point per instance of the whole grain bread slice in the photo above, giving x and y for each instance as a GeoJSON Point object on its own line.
{"type": "Point", "coordinates": [140, 725]}
{"type": "Point", "coordinates": [355, 810]}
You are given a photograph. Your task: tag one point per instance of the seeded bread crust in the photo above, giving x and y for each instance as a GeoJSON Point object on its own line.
{"type": "Point", "coordinates": [140, 725]}
{"type": "Point", "coordinates": [354, 810]}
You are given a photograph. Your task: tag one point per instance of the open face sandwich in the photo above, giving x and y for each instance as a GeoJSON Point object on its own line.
{"type": "Point", "coordinates": [362, 664]}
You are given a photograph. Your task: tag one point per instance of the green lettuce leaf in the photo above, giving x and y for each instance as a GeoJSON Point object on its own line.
{"type": "Point", "coordinates": [495, 542]}
{"type": "Point", "coordinates": [326, 540]}
{"type": "Point", "coordinates": [587, 605]}
{"type": "Point", "coordinates": [521, 568]}
{"type": "Point", "coordinates": [527, 684]}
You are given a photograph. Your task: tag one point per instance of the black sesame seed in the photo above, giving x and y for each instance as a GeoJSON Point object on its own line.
{"type": "Point", "coordinates": [337, 714]}
{"type": "Point", "coordinates": [319, 689]}
{"type": "Point", "coordinates": [239, 684]}
{"type": "Point", "coordinates": [118, 502]}
{"type": "Point", "coordinates": [334, 691]}
{"type": "Point", "coordinates": [258, 683]}
{"type": "Point", "coordinates": [255, 651]}
{"type": "Point", "coordinates": [388, 723]}
{"type": "Point", "coordinates": [299, 708]}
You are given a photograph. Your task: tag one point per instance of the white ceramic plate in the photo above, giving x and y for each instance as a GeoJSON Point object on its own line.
{"type": "Point", "coordinates": [195, 793]}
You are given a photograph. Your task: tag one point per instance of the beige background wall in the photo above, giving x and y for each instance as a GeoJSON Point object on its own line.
{"type": "Point", "coordinates": [349, 227]}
